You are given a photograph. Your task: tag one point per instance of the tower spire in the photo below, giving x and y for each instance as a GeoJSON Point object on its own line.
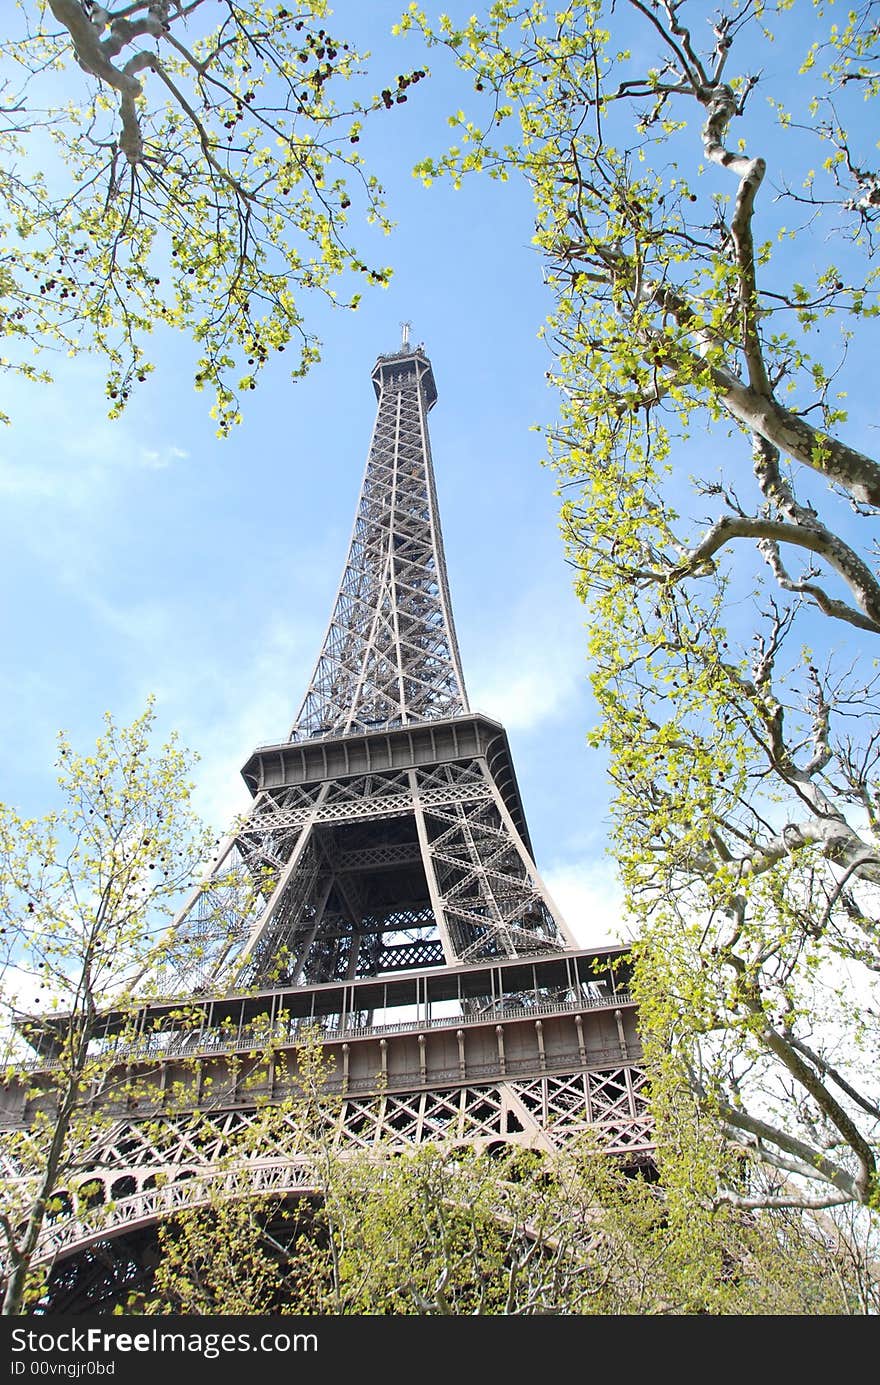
{"type": "Point", "coordinates": [390, 655]}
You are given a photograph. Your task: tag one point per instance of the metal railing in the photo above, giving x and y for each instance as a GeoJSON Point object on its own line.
{"type": "Point", "coordinates": [196, 1043]}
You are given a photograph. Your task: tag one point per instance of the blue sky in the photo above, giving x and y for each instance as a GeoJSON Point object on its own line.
{"type": "Point", "coordinates": [144, 555]}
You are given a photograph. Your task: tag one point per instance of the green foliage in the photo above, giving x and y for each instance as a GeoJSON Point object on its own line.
{"type": "Point", "coordinates": [85, 892]}
{"type": "Point", "coordinates": [84, 913]}
{"type": "Point", "coordinates": [185, 167]}
{"type": "Point", "coordinates": [219, 1259]}
{"type": "Point", "coordinates": [448, 1230]}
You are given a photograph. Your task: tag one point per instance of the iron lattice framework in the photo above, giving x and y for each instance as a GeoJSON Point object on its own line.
{"type": "Point", "coordinates": [390, 656]}
{"type": "Point", "coordinates": [334, 879]}
{"type": "Point", "coordinates": [382, 888]}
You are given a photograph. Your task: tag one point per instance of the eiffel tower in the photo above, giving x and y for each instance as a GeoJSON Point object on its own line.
{"type": "Point", "coordinates": [382, 887]}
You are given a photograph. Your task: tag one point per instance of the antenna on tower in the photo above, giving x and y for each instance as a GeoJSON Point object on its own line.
{"type": "Point", "coordinates": [404, 340]}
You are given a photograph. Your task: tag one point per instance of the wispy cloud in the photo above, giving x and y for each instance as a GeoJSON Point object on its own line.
{"type": "Point", "coordinates": [532, 668]}
{"type": "Point", "coordinates": [28, 483]}
{"type": "Point", "coordinates": [225, 707]}
{"type": "Point", "coordinates": [160, 461]}
{"type": "Point", "coordinates": [590, 898]}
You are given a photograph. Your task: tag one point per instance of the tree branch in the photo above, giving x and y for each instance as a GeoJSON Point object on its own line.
{"type": "Point", "coordinates": [817, 539]}
{"type": "Point", "coordinates": [811, 1164]}
{"type": "Point", "coordinates": [855, 472]}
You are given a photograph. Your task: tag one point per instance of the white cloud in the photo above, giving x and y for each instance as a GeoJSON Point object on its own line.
{"type": "Point", "coordinates": [524, 698]}
{"type": "Point", "coordinates": [159, 460]}
{"type": "Point", "coordinates": [533, 668]}
{"type": "Point", "coordinates": [255, 703]}
{"type": "Point", "coordinates": [148, 624]}
{"type": "Point", "coordinates": [29, 483]}
{"type": "Point", "coordinates": [23, 989]}
{"type": "Point", "coordinates": [589, 896]}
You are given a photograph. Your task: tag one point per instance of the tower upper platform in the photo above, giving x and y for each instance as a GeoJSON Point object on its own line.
{"type": "Point", "coordinates": [396, 367]}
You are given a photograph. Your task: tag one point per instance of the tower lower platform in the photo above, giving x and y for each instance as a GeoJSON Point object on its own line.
{"type": "Point", "coordinates": [531, 1053]}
